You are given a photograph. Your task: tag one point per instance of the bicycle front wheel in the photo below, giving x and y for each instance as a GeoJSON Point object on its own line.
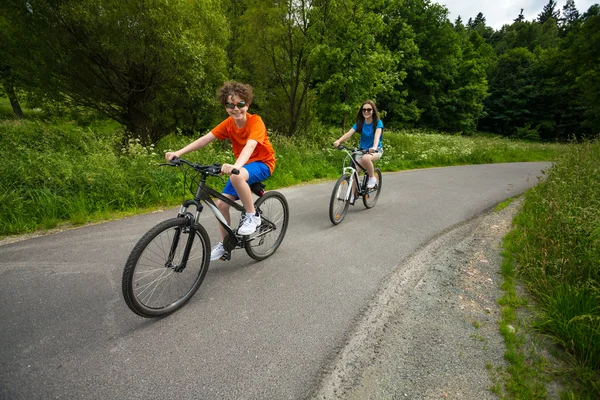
{"type": "Point", "coordinates": [340, 199]}
{"type": "Point", "coordinates": [371, 195]}
{"type": "Point", "coordinates": [156, 281]}
{"type": "Point", "coordinates": [275, 215]}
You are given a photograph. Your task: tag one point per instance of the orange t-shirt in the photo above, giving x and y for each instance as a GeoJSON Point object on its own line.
{"type": "Point", "coordinates": [254, 129]}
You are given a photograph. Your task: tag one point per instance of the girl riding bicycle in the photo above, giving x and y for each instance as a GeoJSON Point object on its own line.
{"type": "Point", "coordinates": [370, 128]}
{"type": "Point", "coordinates": [254, 155]}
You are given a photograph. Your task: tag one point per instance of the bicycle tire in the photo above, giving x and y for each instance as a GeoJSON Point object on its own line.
{"type": "Point", "coordinates": [371, 195]}
{"type": "Point", "coordinates": [339, 202]}
{"type": "Point", "coordinates": [151, 288]}
{"type": "Point", "coordinates": [275, 216]}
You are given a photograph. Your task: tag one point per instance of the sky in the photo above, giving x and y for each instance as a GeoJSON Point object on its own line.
{"type": "Point", "coordinates": [500, 12]}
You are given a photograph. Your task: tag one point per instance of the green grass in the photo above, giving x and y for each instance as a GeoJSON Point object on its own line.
{"type": "Point", "coordinates": [67, 172]}
{"type": "Point", "coordinates": [554, 251]}
{"type": "Point", "coordinates": [6, 111]}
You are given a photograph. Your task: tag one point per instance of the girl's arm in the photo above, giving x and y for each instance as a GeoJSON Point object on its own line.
{"type": "Point", "coordinates": [376, 140]}
{"type": "Point", "coordinates": [344, 137]}
{"type": "Point", "coordinates": [195, 145]}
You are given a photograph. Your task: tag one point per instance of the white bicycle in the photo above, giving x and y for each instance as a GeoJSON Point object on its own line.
{"type": "Point", "coordinates": [342, 191]}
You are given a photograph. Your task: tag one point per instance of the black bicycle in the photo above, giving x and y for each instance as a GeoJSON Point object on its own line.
{"type": "Point", "coordinates": [168, 264]}
{"type": "Point", "coordinates": [341, 197]}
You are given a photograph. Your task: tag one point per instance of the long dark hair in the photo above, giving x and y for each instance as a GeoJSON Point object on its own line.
{"type": "Point", "coordinates": [360, 118]}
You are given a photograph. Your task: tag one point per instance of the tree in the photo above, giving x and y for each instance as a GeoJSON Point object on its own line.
{"type": "Point", "coordinates": [582, 56]}
{"type": "Point", "coordinates": [549, 11]}
{"type": "Point", "coordinates": [8, 78]}
{"type": "Point", "coordinates": [350, 64]}
{"type": "Point", "coordinates": [274, 49]}
{"type": "Point", "coordinates": [570, 13]}
{"type": "Point", "coordinates": [520, 17]}
{"type": "Point", "coordinates": [470, 87]}
{"type": "Point", "coordinates": [152, 66]}
{"type": "Point", "coordinates": [512, 93]}
{"type": "Point", "coordinates": [478, 21]}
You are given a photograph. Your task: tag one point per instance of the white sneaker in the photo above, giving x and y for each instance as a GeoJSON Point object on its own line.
{"type": "Point", "coordinates": [371, 183]}
{"type": "Point", "coordinates": [217, 252]}
{"type": "Point", "coordinates": [249, 224]}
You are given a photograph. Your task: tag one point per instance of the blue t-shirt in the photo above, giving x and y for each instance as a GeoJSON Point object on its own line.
{"type": "Point", "coordinates": [367, 136]}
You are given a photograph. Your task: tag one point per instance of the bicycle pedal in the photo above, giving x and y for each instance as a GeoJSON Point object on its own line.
{"type": "Point", "coordinates": [226, 256]}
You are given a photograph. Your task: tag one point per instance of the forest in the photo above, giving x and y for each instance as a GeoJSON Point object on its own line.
{"type": "Point", "coordinates": [154, 66]}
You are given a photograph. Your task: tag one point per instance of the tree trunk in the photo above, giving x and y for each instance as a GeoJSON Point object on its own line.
{"type": "Point", "coordinates": [14, 100]}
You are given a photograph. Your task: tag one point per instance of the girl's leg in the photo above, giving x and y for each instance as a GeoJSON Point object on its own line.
{"type": "Point", "coordinates": [367, 163]}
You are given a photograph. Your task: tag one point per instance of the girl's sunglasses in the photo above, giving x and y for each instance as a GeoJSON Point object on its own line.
{"type": "Point", "coordinates": [239, 105]}
{"type": "Point", "coordinates": [367, 110]}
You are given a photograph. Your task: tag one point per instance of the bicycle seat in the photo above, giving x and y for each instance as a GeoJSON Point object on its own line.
{"type": "Point", "coordinates": [258, 188]}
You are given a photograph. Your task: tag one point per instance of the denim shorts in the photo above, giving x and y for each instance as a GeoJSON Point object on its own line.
{"type": "Point", "coordinates": [257, 170]}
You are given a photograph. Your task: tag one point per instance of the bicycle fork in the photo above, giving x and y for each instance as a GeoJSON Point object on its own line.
{"type": "Point", "coordinates": [189, 228]}
{"type": "Point", "coordinates": [350, 171]}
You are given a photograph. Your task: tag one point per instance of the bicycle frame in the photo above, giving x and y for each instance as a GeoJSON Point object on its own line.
{"type": "Point", "coordinates": [205, 194]}
{"type": "Point", "coordinates": [353, 170]}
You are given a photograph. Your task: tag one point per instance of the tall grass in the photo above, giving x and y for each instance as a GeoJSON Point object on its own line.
{"type": "Point", "coordinates": [67, 172]}
{"type": "Point", "coordinates": [555, 247]}
{"type": "Point", "coordinates": [63, 172]}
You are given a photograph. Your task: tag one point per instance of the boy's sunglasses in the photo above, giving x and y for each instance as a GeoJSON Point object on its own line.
{"type": "Point", "coordinates": [239, 104]}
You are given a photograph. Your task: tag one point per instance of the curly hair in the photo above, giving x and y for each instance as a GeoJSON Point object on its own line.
{"type": "Point", "coordinates": [244, 91]}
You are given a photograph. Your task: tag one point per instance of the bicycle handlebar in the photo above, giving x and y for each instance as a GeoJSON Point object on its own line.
{"type": "Point", "coordinates": [213, 170]}
{"type": "Point", "coordinates": [352, 149]}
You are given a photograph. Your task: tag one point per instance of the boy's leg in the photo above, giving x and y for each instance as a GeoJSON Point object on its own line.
{"type": "Point", "coordinates": [239, 186]}
{"type": "Point", "coordinates": [240, 183]}
{"type": "Point", "coordinates": [224, 209]}
{"type": "Point", "coordinates": [250, 173]}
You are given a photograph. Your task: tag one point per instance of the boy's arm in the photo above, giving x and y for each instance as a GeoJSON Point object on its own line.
{"type": "Point", "coordinates": [195, 145]}
{"type": "Point", "coordinates": [245, 155]}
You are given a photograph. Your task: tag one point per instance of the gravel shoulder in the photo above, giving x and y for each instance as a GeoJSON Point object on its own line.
{"type": "Point", "coordinates": [432, 330]}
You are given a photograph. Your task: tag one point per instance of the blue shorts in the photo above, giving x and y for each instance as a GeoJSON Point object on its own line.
{"type": "Point", "coordinates": [257, 170]}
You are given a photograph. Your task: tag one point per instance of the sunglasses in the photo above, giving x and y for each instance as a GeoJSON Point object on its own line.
{"type": "Point", "coordinates": [239, 105]}
{"type": "Point", "coordinates": [367, 110]}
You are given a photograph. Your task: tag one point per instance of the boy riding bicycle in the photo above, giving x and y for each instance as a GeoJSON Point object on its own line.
{"type": "Point", "coordinates": [254, 156]}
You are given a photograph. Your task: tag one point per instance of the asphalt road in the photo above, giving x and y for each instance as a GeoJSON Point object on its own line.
{"type": "Point", "coordinates": [254, 330]}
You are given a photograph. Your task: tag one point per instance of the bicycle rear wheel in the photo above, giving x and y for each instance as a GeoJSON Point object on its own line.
{"type": "Point", "coordinates": [340, 199]}
{"type": "Point", "coordinates": [155, 282]}
{"type": "Point", "coordinates": [275, 215]}
{"type": "Point", "coordinates": [371, 195]}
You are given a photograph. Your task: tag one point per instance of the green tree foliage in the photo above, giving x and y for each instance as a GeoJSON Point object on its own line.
{"type": "Point", "coordinates": [350, 64]}
{"type": "Point", "coordinates": [152, 66]}
{"type": "Point", "coordinates": [273, 47]}
{"type": "Point", "coordinates": [399, 38]}
{"type": "Point", "coordinates": [511, 93]}
{"type": "Point", "coordinates": [548, 12]}
{"type": "Point", "coordinates": [556, 108]}
{"type": "Point", "coordinates": [520, 17]}
{"type": "Point", "coordinates": [8, 77]}
{"type": "Point", "coordinates": [582, 56]}
{"type": "Point", "coordinates": [570, 14]}
{"type": "Point", "coordinates": [446, 77]}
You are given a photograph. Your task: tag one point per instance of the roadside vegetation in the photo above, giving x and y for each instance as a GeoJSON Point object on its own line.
{"type": "Point", "coordinates": [554, 253]}
{"type": "Point", "coordinates": [69, 172]}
